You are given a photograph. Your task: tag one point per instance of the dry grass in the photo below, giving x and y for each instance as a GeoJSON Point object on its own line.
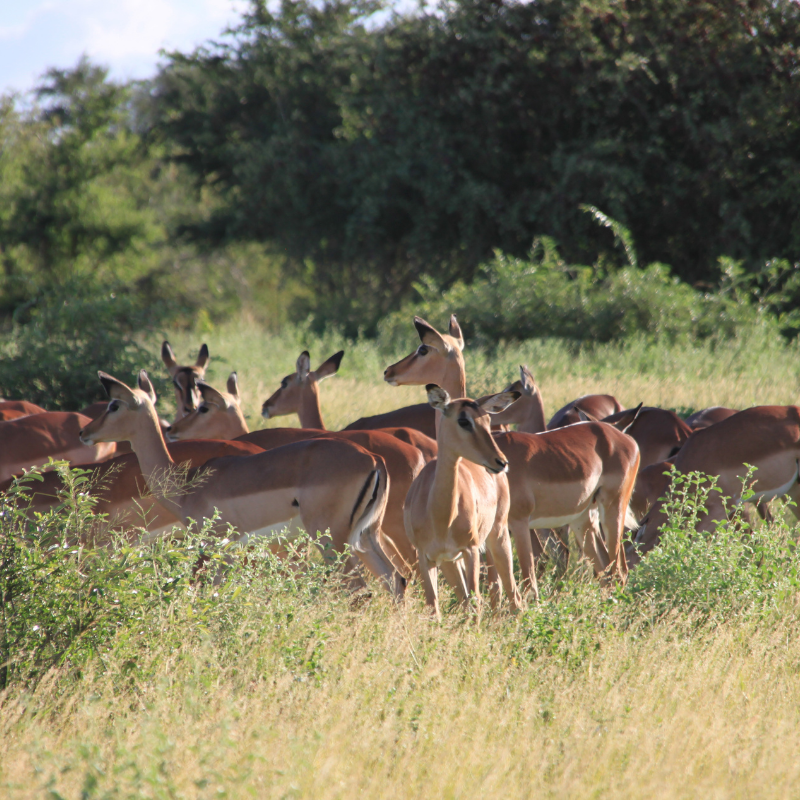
{"type": "Point", "coordinates": [400, 706]}
{"type": "Point", "coordinates": [334, 701]}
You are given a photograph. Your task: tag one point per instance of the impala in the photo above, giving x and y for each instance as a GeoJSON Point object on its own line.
{"type": "Point", "coordinates": [121, 490]}
{"type": "Point", "coordinates": [660, 433]}
{"type": "Point", "coordinates": [329, 484]}
{"type": "Point", "coordinates": [709, 416]}
{"type": "Point", "coordinates": [299, 394]}
{"type": "Point", "coordinates": [765, 437]}
{"type": "Point", "coordinates": [14, 409]}
{"type": "Point", "coordinates": [219, 416]}
{"type": "Point", "coordinates": [30, 441]}
{"type": "Point", "coordinates": [573, 476]}
{"type": "Point", "coordinates": [460, 501]}
{"type": "Point", "coordinates": [183, 378]}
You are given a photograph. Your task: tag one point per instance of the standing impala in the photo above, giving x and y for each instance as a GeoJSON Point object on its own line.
{"type": "Point", "coordinates": [219, 417]}
{"type": "Point", "coordinates": [460, 501]}
{"type": "Point", "coordinates": [576, 476]}
{"type": "Point", "coordinates": [299, 394]}
{"type": "Point", "coordinates": [765, 437]}
{"type": "Point", "coordinates": [331, 485]}
{"type": "Point", "coordinates": [184, 378]}
{"type": "Point", "coordinates": [30, 441]}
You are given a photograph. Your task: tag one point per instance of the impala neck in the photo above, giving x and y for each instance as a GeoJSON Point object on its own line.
{"type": "Point", "coordinates": [238, 424]}
{"type": "Point", "coordinates": [454, 382]}
{"type": "Point", "coordinates": [442, 499]}
{"type": "Point", "coordinates": [310, 412]}
{"type": "Point", "coordinates": [154, 458]}
{"type": "Point", "coordinates": [534, 418]}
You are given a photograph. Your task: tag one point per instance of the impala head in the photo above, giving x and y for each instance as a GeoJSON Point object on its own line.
{"type": "Point", "coordinates": [529, 394]}
{"type": "Point", "coordinates": [300, 386]}
{"type": "Point", "coordinates": [123, 416]}
{"type": "Point", "coordinates": [438, 356]}
{"type": "Point", "coordinates": [218, 415]}
{"type": "Point", "coordinates": [184, 379]}
{"type": "Point", "coordinates": [466, 426]}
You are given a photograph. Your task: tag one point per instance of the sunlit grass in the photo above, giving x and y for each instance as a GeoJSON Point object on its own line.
{"type": "Point", "coordinates": [259, 693]}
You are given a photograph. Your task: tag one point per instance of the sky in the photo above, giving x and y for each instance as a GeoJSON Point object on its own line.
{"type": "Point", "coordinates": [124, 35]}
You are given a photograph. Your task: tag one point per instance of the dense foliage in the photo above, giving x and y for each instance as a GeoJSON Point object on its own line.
{"type": "Point", "coordinates": [327, 158]}
{"type": "Point", "coordinates": [421, 144]}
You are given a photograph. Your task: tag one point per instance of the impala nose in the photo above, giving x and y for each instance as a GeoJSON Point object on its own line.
{"type": "Point", "coordinates": [501, 464]}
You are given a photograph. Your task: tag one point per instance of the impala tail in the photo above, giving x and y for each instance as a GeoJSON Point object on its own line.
{"type": "Point", "coordinates": [366, 520]}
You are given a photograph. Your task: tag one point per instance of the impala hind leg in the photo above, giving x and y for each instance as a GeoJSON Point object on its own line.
{"type": "Point", "coordinates": [522, 540]}
{"type": "Point", "coordinates": [587, 534]}
{"type": "Point", "coordinates": [613, 520]}
{"type": "Point", "coordinates": [375, 559]}
{"type": "Point", "coordinates": [499, 545]}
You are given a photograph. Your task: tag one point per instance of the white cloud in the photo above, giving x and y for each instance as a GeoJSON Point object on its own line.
{"type": "Point", "coordinates": [125, 35]}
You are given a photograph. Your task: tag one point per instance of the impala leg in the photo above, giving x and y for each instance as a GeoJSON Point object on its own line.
{"type": "Point", "coordinates": [587, 533]}
{"type": "Point", "coordinates": [495, 587]}
{"type": "Point", "coordinates": [794, 494]}
{"type": "Point", "coordinates": [429, 573]}
{"type": "Point", "coordinates": [499, 545]}
{"type": "Point", "coordinates": [454, 575]}
{"type": "Point", "coordinates": [522, 540]}
{"type": "Point", "coordinates": [539, 551]}
{"type": "Point", "coordinates": [472, 566]}
{"type": "Point", "coordinates": [614, 526]}
{"type": "Point", "coordinates": [374, 558]}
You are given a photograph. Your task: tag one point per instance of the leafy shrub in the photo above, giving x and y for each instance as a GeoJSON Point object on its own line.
{"type": "Point", "coordinates": [715, 575]}
{"type": "Point", "coordinates": [65, 602]}
{"type": "Point", "coordinates": [57, 345]}
{"type": "Point", "coordinates": [518, 299]}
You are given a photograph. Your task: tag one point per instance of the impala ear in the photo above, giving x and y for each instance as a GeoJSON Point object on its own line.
{"type": "Point", "coordinates": [303, 365]}
{"type": "Point", "coordinates": [526, 380]}
{"type": "Point", "coordinates": [495, 403]}
{"type": "Point", "coordinates": [455, 332]}
{"type": "Point", "coordinates": [202, 358]}
{"type": "Point", "coordinates": [627, 418]}
{"type": "Point", "coordinates": [233, 386]}
{"type": "Point", "coordinates": [147, 387]}
{"type": "Point", "coordinates": [329, 367]}
{"type": "Point", "coordinates": [438, 397]}
{"type": "Point", "coordinates": [211, 395]}
{"type": "Point", "coordinates": [584, 416]}
{"type": "Point", "coordinates": [168, 357]}
{"type": "Point", "coordinates": [429, 335]}
{"type": "Point", "coordinates": [117, 390]}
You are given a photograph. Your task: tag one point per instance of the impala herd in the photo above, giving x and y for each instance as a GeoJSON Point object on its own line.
{"type": "Point", "coordinates": [408, 492]}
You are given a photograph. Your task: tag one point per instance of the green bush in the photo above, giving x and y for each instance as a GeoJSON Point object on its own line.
{"type": "Point", "coordinates": [58, 343]}
{"type": "Point", "coordinates": [518, 299]}
{"type": "Point", "coordinates": [66, 602]}
{"type": "Point", "coordinates": [732, 570]}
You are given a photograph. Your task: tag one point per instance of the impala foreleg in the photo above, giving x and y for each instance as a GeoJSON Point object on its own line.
{"type": "Point", "coordinates": [429, 574]}
{"type": "Point", "coordinates": [499, 545]}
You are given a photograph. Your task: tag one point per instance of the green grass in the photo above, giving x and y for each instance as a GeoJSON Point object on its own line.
{"type": "Point", "coordinates": [686, 684]}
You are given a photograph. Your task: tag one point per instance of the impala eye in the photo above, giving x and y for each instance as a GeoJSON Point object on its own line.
{"type": "Point", "coordinates": [284, 383]}
{"type": "Point", "coordinates": [204, 409]}
{"type": "Point", "coordinates": [465, 423]}
{"type": "Point", "coordinates": [113, 406]}
{"type": "Point", "coordinates": [422, 350]}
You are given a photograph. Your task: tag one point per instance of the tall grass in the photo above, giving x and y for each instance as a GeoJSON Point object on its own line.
{"type": "Point", "coordinates": [124, 677]}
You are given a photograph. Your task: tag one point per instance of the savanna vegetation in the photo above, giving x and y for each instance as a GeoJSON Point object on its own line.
{"type": "Point", "coordinates": [605, 191]}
